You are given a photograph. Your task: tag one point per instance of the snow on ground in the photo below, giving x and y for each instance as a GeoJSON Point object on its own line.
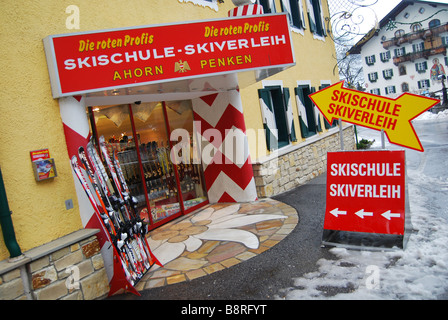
{"type": "Point", "coordinates": [432, 116]}
{"type": "Point", "coordinates": [418, 272]}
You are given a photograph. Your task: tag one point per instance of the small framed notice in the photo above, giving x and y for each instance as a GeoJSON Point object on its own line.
{"type": "Point", "coordinates": [43, 166]}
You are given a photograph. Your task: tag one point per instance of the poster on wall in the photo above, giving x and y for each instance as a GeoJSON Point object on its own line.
{"type": "Point", "coordinates": [93, 61]}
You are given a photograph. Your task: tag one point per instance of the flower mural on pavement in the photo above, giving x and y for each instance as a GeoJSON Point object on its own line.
{"type": "Point", "coordinates": [209, 224]}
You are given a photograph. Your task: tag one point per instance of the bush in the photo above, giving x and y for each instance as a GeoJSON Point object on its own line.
{"type": "Point", "coordinates": [364, 144]}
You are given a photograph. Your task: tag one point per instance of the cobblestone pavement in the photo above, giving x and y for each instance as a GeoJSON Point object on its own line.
{"type": "Point", "coordinates": [214, 238]}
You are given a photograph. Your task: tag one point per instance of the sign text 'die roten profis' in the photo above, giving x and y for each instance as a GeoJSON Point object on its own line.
{"type": "Point", "coordinates": [380, 113]}
{"type": "Point", "coordinates": [366, 191]}
{"type": "Point", "coordinates": [92, 61]}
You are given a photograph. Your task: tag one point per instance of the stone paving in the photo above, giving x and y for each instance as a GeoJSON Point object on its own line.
{"type": "Point", "coordinates": [216, 237]}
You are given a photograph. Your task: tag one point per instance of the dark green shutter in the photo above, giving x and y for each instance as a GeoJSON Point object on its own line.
{"type": "Point", "coordinates": [267, 113]}
{"type": "Point", "coordinates": [303, 112]}
{"type": "Point", "coordinates": [289, 115]}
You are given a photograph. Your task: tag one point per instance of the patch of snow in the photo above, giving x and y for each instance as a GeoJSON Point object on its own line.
{"type": "Point", "coordinates": [432, 116]}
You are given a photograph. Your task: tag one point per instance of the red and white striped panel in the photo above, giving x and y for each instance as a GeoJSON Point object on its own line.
{"type": "Point", "coordinates": [246, 10]}
{"type": "Point", "coordinates": [77, 134]}
{"type": "Point", "coordinates": [228, 175]}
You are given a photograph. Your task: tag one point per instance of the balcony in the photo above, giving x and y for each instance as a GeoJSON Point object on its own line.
{"type": "Point", "coordinates": [410, 37]}
{"type": "Point", "coordinates": [418, 55]}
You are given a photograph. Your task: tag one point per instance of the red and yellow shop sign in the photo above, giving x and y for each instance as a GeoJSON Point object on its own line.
{"type": "Point", "coordinates": [86, 62]}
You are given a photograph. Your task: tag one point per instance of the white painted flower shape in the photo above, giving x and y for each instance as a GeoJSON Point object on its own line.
{"type": "Point", "coordinates": [207, 225]}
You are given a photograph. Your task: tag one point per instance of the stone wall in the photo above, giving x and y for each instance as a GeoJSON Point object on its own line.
{"type": "Point", "coordinates": [70, 268]}
{"type": "Point", "coordinates": [296, 165]}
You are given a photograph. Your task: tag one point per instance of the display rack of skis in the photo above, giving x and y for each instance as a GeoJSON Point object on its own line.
{"type": "Point", "coordinates": [116, 207]}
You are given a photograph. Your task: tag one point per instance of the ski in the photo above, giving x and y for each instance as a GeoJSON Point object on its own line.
{"type": "Point", "coordinates": [118, 242]}
{"type": "Point", "coordinates": [124, 224]}
{"type": "Point", "coordinates": [120, 201]}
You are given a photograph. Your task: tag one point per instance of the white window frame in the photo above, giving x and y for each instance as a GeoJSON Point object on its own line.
{"type": "Point", "coordinates": [421, 67]}
{"type": "Point", "coordinates": [418, 47]}
{"type": "Point", "coordinates": [375, 91]}
{"type": "Point", "coordinates": [286, 5]}
{"type": "Point", "coordinates": [399, 52]}
{"type": "Point", "coordinates": [385, 56]}
{"type": "Point", "coordinates": [424, 84]}
{"type": "Point", "coordinates": [373, 76]}
{"type": "Point", "coordinates": [370, 60]}
{"type": "Point", "coordinates": [388, 74]}
{"type": "Point", "coordinates": [390, 89]}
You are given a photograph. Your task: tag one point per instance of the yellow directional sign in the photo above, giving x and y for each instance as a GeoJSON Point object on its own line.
{"type": "Point", "coordinates": [380, 113]}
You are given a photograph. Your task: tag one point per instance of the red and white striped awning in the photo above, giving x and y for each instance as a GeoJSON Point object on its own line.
{"type": "Point", "coordinates": [246, 10]}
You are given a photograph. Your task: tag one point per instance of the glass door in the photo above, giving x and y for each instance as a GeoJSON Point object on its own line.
{"type": "Point", "coordinates": [158, 171]}
{"type": "Point", "coordinates": [187, 166]}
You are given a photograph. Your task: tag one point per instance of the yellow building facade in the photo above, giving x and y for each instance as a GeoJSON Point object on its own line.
{"type": "Point", "coordinates": [42, 211]}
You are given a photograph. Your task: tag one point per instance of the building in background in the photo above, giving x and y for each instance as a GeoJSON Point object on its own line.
{"type": "Point", "coordinates": [408, 53]}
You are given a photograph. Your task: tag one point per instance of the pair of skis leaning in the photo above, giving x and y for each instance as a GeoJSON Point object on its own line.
{"type": "Point", "coordinates": [116, 208]}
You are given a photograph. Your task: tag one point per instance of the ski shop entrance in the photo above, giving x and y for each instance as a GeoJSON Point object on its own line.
{"type": "Point", "coordinates": [140, 133]}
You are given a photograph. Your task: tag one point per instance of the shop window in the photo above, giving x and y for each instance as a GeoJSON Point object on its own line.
{"type": "Point", "coordinates": [308, 113]}
{"type": "Point", "coordinates": [277, 116]}
{"type": "Point", "coordinates": [295, 11]}
{"type": "Point", "coordinates": [166, 180]}
{"type": "Point", "coordinates": [316, 17]}
{"type": "Point", "coordinates": [268, 6]}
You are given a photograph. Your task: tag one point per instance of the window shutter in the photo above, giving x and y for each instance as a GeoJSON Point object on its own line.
{"type": "Point", "coordinates": [289, 115]}
{"type": "Point", "coordinates": [269, 124]}
{"type": "Point", "coordinates": [326, 123]}
{"type": "Point", "coordinates": [322, 19]}
{"type": "Point", "coordinates": [311, 16]}
{"type": "Point", "coordinates": [266, 6]}
{"type": "Point", "coordinates": [295, 12]}
{"type": "Point", "coordinates": [302, 14]}
{"type": "Point", "coordinates": [316, 114]}
{"type": "Point", "coordinates": [303, 120]}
